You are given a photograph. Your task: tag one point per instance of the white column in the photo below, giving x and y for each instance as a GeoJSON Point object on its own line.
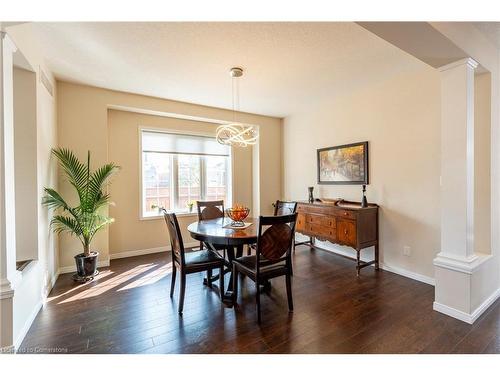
{"type": "Point", "coordinates": [457, 160]}
{"type": "Point", "coordinates": [8, 271]}
{"type": "Point", "coordinates": [457, 264]}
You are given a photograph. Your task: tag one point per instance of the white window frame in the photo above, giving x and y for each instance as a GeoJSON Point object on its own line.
{"type": "Point", "coordinates": [174, 169]}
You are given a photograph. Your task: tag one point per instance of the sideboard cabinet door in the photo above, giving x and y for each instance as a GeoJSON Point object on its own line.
{"type": "Point", "coordinates": [346, 232]}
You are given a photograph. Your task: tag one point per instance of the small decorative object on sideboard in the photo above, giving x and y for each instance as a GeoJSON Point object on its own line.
{"type": "Point", "coordinates": [364, 202]}
{"type": "Point", "coordinates": [311, 198]}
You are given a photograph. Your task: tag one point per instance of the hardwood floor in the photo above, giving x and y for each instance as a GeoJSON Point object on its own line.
{"type": "Point", "coordinates": [127, 309]}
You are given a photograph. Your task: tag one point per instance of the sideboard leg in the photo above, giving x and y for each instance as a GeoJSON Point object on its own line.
{"type": "Point", "coordinates": [357, 262]}
{"type": "Point", "coordinates": [376, 257]}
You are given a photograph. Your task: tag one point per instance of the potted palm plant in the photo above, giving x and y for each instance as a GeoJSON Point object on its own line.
{"type": "Point", "coordinates": [85, 219]}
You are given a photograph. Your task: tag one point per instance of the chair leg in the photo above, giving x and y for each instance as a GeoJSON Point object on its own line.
{"type": "Point", "coordinates": [235, 283]}
{"type": "Point", "coordinates": [249, 250]}
{"type": "Point", "coordinates": [257, 298]}
{"type": "Point", "coordinates": [209, 278]}
{"type": "Point", "coordinates": [289, 292]}
{"type": "Point", "coordinates": [183, 292]}
{"type": "Point", "coordinates": [172, 282]}
{"type": "Point", "coordinates": [221, 282]}
{"type": "Point", "coordinates": [201, 245]}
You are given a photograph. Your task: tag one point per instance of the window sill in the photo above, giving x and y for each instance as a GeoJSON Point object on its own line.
{"type": "Point", "coordinates": [178, 214]}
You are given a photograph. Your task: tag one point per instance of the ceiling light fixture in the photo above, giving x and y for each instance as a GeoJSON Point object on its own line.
{"type": "Point", "coordinates": [234, 133]}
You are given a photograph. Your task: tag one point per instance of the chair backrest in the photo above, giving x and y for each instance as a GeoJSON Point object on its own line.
{"type": "Point", "coordinates": [275, 238]}
{"type": "Point", "coordinates": [208, 210]}
{"type": "Point", "coordinates": [176, 242]}
{"type": "Point", "coordinates": [284, 208]}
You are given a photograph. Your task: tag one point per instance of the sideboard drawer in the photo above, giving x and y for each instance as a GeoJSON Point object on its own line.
{"type": "Point", "coordinates": [346, 232]}
{"type": "Point", "coordinates": [326, 221]}
{"type": "Point", "coordinates": [321, 231]}
{"type": "Point", "coordinates": [346, 213]}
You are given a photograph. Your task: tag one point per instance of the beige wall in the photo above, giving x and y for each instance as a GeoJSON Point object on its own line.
{"type": "Point", "coordinates": [83, 125]}
{"type": "Point", "coordinates": [401, 120]}
{"type": "Point", "coordinates": [129, 232]}
{"type": "Point", "coordinates": [25, 161]}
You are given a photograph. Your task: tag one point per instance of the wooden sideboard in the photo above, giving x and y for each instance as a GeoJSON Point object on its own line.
{"type": "Point", "coordinates": [340, 222]}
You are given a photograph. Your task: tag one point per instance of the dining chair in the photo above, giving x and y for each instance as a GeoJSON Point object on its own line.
{"type": "Point", "coordinates": [272, 258]}
{"type": "Point", "coordinates": [192, 262]}
{"type": "Point", "coordinates": [281, 208]}
{"type": "Point", "coordinates": [284, 208]}
{"type": "Point", "coordinates": [209, 210]}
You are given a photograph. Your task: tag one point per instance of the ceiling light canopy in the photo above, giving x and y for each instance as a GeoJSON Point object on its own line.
{"type": "Point", "coordinates": [234, 133]}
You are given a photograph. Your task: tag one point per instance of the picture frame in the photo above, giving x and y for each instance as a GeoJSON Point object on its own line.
{"type": "Point", "coordinates": [343, 165]}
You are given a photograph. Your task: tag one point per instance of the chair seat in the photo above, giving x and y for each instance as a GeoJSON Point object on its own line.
{"type": "Point", "coordinates": [203, 258]}
{"type": "Point", "coordinates": [219, 247]}
{"type": "Point", "coordinates": [247, 263]}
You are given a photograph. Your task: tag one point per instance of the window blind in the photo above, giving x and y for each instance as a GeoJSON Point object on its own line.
{"type": "Point", "coordinates": [154, 141]}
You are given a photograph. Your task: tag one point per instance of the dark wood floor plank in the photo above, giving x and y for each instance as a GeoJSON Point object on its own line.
{"type": "Point", "coordinates": [127, 309]}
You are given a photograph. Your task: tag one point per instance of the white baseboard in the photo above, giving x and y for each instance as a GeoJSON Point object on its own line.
{"type": "Point", "coordinates": [408, 274]}
{"type": "Point", "coordinates": [454, 313]}
{"type": "Point", "coordinates": [465, 317]}
{"type": "Point", "coordinates": [27, 324]}
{"type": "Point", "coordinates": [385, 267]}
{"type": "Point", "coordinates": [134, 253]}
{"type": "Point", "coordinates": [484, 306]}
{"type": "Point", "coordinates": [8, 350]}
{"type": "Point", "coordinates": [69, 269]}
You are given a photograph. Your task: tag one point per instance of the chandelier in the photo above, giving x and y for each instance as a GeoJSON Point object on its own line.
{"type": "Point", "coordinates": [234, 133]}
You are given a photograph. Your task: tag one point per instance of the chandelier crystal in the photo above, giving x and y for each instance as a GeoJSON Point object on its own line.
{"type": "Point", "coordinates": [236, 134]}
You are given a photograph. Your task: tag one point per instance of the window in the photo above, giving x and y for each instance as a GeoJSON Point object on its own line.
{"type": "Point", "coordinates": [178, 169]}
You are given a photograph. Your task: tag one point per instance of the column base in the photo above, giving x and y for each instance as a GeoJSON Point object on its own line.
{"type": "Point", "coordinates": [6, 317]}
{"type": "Point", "coordinates": [463, 289]}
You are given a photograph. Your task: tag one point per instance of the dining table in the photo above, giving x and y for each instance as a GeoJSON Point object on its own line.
{"type": "Point", "coordinates": [216, 232]}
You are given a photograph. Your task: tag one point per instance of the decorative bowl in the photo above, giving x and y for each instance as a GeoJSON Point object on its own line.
{"type": "Point", "coordinates": [237, 214]}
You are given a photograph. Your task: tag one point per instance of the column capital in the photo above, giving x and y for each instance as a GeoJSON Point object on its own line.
{"type": "Point", "coordinates": [470, 62]}
{"type": "Point", "coordinates": [6, 289]}
{"type": "Point", "coordinates": [7, 41]}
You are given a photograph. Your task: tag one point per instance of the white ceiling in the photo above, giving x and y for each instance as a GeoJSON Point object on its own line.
{"type": "Point", "coordinates": [491, 30]}
{"type": "Point", "coordinates": [287, 65]}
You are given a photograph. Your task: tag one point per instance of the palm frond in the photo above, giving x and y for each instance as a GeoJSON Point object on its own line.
{"type": "Point", "coordinates": [100, 177]}
{"type": "Point", "coordinates": [103, 222]}
{"type": "Point", "coordinates": [101, 200]}
{"type": "Point", "coordinates": [52, 199]}
{"type": "Point", "coordinates": [60, 223]}
{"type": "Point", "coordinates": [76, 171]}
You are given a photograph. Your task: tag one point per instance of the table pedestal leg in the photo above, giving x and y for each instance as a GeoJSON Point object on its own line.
{"type": "Point", "coordinates": [232, 253]}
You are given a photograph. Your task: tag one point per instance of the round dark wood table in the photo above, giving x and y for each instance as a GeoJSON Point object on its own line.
{"type": "Point", "coordinates": [212, 232]}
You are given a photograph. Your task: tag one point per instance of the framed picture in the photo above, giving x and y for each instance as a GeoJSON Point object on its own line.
{"type": "Point", "coordinates": [343, 165]}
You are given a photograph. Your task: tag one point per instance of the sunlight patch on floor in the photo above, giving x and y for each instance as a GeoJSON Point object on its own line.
{"type": "Point", "coordinates": [150, 277]}
{"type": "Point", "coordinates": [113, 282]}
{"type": "Point", "coordinates": [102, 274]}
